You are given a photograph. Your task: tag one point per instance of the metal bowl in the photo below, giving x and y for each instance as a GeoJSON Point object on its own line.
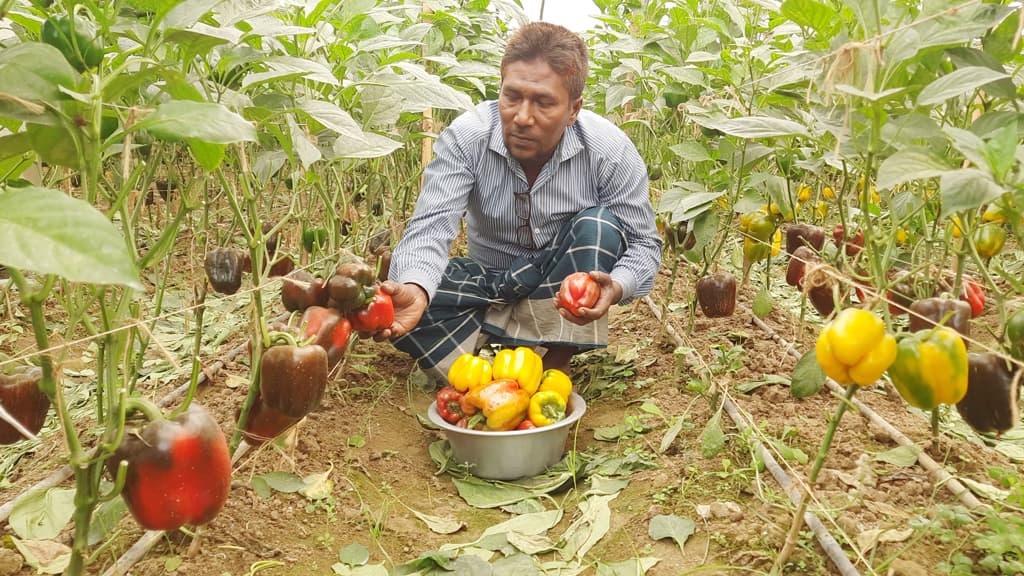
{"type": "Point", "coordinates": [513, 454]}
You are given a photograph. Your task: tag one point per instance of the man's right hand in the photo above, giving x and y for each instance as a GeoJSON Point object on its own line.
{"type": "Point", "coordinates": [410, 301]}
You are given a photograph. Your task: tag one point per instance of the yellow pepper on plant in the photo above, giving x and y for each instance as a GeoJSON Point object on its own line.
{"type": "Point", "coordinates": [931, 368]}
{"type": "Point", "coordinates": [546, 408]}
{"type": "Point", "coordinates": [803, 193]}
{"type": "Point", "coordinates": [827, 192]}
{"type": "Point", "coordinates": [554, 380]}
{"type": "Point", "coordinates": [854, 348]}
{"type": "Point", "coordinates": [520, 364]}
{"type": "Point", "coordinates": [468, 372]}
{"type": "Point", "coordinates": [821, 209]}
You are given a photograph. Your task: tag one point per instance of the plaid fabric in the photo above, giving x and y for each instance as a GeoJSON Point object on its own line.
{"type": "Point", "coordinates": [513, 307]}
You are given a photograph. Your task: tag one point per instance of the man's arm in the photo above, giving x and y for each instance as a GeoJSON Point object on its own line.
{"type": "Point", "coordinates": [623, 188]}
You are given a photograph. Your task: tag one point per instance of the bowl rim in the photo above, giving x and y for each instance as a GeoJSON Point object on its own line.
{"type": "Point", "coordinates": [577, 407]}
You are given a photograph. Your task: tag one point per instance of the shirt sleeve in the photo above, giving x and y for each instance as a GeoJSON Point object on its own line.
{"type": "Point", "coordinates": [421, 256]}
{"type": "Point", "coordinates": [623, 187]}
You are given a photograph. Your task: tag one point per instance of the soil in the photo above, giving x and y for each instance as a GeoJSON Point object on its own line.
{"type": "Point", "coordinates": [369, 436]}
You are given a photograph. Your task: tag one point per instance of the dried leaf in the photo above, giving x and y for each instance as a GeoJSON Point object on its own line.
{"type": "Point", "coordinates": [440, 524]}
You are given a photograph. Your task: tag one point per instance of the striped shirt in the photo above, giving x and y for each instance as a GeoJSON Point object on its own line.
{"type": "Point", "coordinates": [473, 175]}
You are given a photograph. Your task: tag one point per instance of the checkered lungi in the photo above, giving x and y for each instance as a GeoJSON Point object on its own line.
{"type": "Point", "coordinates": [514, 307]}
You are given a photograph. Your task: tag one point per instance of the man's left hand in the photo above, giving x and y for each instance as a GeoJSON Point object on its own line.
{"type": "Point", "coordinates": [611, 293]}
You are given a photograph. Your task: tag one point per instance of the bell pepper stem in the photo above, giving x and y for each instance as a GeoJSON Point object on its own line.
{"type": "Point", "coordinates": [798, 518]}
{"type": "Point", "coordinates": [197, 342]}
{"type": "Point", "coordinates": [149, 409]}
{"type": "Point", "coordinates": [935, 423]}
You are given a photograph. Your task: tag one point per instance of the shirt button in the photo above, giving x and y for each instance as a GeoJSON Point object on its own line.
{"type": "Point", "coordinates": [536, 230]}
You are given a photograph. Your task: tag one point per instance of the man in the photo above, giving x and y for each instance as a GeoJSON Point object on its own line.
{"type": "Point", "coordinates": [547, 189]}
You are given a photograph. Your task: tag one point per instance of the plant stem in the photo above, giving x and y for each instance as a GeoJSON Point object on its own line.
{"type": "Point", "coordinates": [798, 518]}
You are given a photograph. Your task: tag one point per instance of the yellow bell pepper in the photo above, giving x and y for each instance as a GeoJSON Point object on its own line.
{"type": "Point", "coordinates": [502, 402]}
{"type": "Point", "coordinates": [469, 371]}
{"type": "Point", "coordinates": [546, 408]}
{"type": "Point", "coordinates": [854, 348]}
{"type": "Point", "coordinates": [555, 380]}
{"type": "Point", "coordinates": [520, 364]}
{"type": "Point", "coordinates": [931, 368]}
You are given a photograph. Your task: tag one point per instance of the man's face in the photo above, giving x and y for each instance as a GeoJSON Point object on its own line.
{"type": "Point", "coordinates": [535, 109]}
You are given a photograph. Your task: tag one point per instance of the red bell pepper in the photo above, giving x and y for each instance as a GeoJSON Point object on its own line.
{"type": "Point", "coordinates": [974, 294]}
{"type": "Point", "coordinates": [449, 404]}
{"type": "Point", "coordinates": [264, 424]}
{"type": "Point", "coordinates": [179, 471]}
{"type": "Point", "coordinates": [21, 397]}
{"type": "Point", "coordinates": [375, 316]}
{"type": "Point", "coordinates": [331, 329]}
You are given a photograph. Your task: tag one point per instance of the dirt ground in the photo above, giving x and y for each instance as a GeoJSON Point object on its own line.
{"type": "Point", "coordinates": [370, 438]}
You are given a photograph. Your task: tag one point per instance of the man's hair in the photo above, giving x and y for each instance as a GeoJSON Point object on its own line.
{"type": "Point", "coordinates": [562, 49]}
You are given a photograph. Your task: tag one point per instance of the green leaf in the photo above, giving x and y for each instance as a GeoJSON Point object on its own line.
{"type": "Point", "coordinates": [54, 144]}
{"type": "Point", "coordinates": [691, 151]}
{"type": "Point", "coordinates": [671, 434]}
{"type": "Point", "coordinates": [283, 481]}
{"type": "Point", "coordinates": [910, 164]}
{"type": "Point", "coordinates": [966, 189]}
{"type": "Point", "coordinates": [333, 118]}
{"type": "Point", "coordinates": [957, 83]}
{"type": "Point", "coordinates": [686, 201]}
{"type": "Point", "coordinates": [808, 377]}
{"type": "Point", "coordinates": [671, 526]}
{"type": "Point", "coordinates": [105, 518]}
{"type": "Point", "coordinates": [209, 122]}
{"type": "Point", "coordinates": [13, 145]}
{"type": "Point", "coordinates": [207, 155]}
{"type": "Point", "coordinates": [762, 305]}
{"type": "Point", "coordinates": [172, 563]}
{"type": "Point", "coordinates": [373, 146]}
{"type": "Point", "coordinates": [46, 231]}
{"type": "Point", "coordinates": [759, 127]}
{"type": "Point", "coordinates": [902, 456]}
{"type": "Point", "coordinates": [354, 555]}
{"type": "Point", "coordinates": [482, 494]}
{"type": "Point", "coordinates": [42, 514]}
{"type": "Point", "coordinates": [261, 488]}
{"type": "Point", "coordinates": [31, 75]}
{"type": "Point", "coordinates": [818, 16]}
{"type": "Point", "coordinates": [712, 439]}
{"type": "Point", "coordinates": [788, 452]}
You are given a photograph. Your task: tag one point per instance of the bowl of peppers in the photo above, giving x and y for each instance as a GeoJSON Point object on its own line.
{"type": "Point", "coordinates": [509, 418]}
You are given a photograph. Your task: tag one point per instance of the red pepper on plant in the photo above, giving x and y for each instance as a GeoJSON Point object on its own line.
{"type": "Point", "coordinates": [578, 290]}
{"type": "Point", "coordinates": [853, 244]}
{"type": "Point", "coordinates": [974, 294]}
{"type": "Point", "coordinates": [329, 330]}
{"type": "Point", "coordinates": [179, 471]}
{"type": "Point", "coordinates": [377, 315]}
{"type": "Point", "coordinates": [264, 424]}
{"type": "Point", "coordinates": [21, 397]}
